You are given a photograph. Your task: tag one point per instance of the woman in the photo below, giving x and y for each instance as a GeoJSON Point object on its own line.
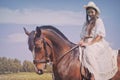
{"type": "Point", "coordinates": [96, 55]}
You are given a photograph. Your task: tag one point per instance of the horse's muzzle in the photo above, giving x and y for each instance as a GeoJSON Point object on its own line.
{"type": "Point", "coordinates": [40, 72]}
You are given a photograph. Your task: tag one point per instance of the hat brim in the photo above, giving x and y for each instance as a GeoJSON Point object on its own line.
{"type": "Point", "coordinates": [95, 7]}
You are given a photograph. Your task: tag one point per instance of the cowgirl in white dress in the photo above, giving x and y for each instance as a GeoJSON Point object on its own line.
{"type": "Point", "coordinates": [97, 55]}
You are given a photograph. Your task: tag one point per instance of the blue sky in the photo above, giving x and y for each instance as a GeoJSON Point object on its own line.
{"type": "Point", "coordinates": [67, 15]}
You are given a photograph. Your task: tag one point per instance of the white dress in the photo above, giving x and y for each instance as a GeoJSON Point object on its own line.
{"type": "Point", "coordinates": [99, 58]}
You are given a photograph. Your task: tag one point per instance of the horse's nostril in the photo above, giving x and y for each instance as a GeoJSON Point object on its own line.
{"type": "Point", "coordinates": [34, 61]}
{"type": "Point", "coordinates": [40, 72]}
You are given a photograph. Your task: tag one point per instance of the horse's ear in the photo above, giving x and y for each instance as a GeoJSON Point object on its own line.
{"type": "Point", "coordinates": [38, 30]}
{"type": "Point", "coordinates": [26, 32]}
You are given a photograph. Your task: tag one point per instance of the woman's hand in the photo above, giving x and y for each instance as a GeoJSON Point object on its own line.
{"type": "Point", "coordinates": [84, 44]}
{"type": "Point", "coordinates": [81, 42]}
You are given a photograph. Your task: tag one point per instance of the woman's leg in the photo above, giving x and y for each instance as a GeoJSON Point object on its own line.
{"type": "Point", "coordinates": [91, 62]}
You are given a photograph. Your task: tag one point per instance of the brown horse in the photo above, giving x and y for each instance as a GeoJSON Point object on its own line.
{"type": "Point", "coordinates": [48, 44]}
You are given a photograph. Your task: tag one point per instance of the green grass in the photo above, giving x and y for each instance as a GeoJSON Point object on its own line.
{"type": "Point", "coordinates": [26, 76]}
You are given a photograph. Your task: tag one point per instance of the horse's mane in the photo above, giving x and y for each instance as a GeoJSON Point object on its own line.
{"type": "Point", "coordinates": [54, 29]}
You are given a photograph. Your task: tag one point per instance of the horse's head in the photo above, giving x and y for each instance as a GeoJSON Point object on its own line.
{"type": "Point", "coordinates": [40, 46]}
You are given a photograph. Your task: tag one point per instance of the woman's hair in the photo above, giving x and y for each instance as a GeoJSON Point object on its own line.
{"type": "Point", "coordinates": [91, 22]}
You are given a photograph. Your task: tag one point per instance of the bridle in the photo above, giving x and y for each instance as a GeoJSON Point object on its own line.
{"type": "Point", "coordinates": [47, 56]}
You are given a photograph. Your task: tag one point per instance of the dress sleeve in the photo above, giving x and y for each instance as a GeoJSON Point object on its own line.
{"type": "Point", "coordinates": [100, 29]}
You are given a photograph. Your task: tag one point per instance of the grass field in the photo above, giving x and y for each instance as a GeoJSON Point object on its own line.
{"type": "Point", "coordinates": [26, 76]}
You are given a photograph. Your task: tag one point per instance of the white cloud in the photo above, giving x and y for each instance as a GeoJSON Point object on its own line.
{"type": "Point", "coordinates": [40, 16]}
{"type": "Point", "coordinates": [17, 38]}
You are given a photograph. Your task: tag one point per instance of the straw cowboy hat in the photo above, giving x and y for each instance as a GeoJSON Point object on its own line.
{"type": "Point", "coordinates": [93, 5]}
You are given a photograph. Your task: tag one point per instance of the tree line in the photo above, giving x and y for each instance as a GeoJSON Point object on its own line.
{"type": "Point", "coordinates": [8, 65]}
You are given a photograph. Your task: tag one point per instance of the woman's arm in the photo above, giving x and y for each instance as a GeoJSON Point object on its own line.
{"type": "Point", "coordinates": [96, 39]}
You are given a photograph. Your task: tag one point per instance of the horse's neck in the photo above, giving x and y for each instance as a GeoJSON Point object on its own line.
{"type": "Point", "coordinates": [58, 41]}
{"type": "Point", "coordinates": [60, 45]}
